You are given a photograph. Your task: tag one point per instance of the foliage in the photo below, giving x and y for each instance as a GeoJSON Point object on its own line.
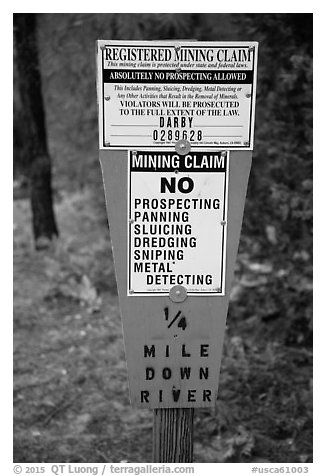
{"type": "Point", "coordinates": [278, 218]}
{"type": "Point", "coordinates": [281, 182]}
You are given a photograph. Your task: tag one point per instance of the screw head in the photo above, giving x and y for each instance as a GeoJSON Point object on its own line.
{"type": "Point", "coordinates": [182, 147]}
{"type": "Point", "coordinates": [178, 293]}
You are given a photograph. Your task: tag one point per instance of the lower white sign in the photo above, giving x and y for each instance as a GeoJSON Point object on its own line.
{"type": "Point", "coordinates": [177, 212]}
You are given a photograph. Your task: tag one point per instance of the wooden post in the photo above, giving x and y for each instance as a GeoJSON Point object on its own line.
{"type": "Point", "coordinates": [173, 435]}
{"type": "Point", "coordinates": [176, 318]}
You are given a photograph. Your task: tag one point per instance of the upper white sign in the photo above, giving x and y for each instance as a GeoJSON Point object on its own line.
{"type": "Point", "coordinates": [156, 93]}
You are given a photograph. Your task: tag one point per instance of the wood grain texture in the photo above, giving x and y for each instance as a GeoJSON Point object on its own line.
{"type": "Point", "coordinates": [173, 435]}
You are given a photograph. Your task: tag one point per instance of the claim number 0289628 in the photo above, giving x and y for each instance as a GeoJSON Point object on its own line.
{"type": "Point", "coordinates": [176, 134]}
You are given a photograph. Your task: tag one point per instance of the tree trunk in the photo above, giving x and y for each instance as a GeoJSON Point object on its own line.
{"type": "Point", "coordinates": [39, 162]}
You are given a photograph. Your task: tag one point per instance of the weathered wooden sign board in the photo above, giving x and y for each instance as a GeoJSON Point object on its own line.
{"type": "Point", "coordinates": [175, 207]}
{"type": "Point", "coordinates": [173, 349]}
{"type": "Point", "coordinates": [152, 94]}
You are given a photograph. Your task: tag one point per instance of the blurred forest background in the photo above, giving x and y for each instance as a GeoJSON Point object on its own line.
{"type": "Point", "coordinates": [70, 382]}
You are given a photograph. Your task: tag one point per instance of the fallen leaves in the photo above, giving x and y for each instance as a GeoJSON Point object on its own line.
{"type": "Point", "coordinates": [240, 446]}
{"type": "Point", "coordinates": [270, 231]}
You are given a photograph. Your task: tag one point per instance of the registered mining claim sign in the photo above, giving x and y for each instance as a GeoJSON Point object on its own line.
{"type": "Point", "coordinates": [153, 94]}
{"type": "Point", "coordinates": [177, 222]}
